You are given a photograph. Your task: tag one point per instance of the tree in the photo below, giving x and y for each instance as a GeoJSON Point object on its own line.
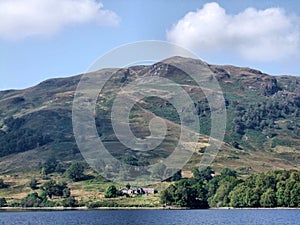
{"type": "Point", "coordinates": [228, 172]}
{"type": "Point", "coordinates": [111, 192]}
{"type": "Point", "coordinates": [3, 202]}
{"type": "Point", "coordinates": [33, 184]}
{"type": "Point", "coordinates": [50, 165]}
{"type": "Point", "coordinates": [295, 175]}
{"type": "Point", "coordinates": [70, 202]}
{"type": "Point", "coordinates": [43, 173]}
{"type": "Point", "coordinates": [289, 186]}
{"type": "Point", "coordinates": [52, 188]}
{"type": "Point", "coordinates": [185, 193]}
{"type": "Point", "coordinates": [175, 177]}
{"type": "Point", "coordinates": [2, 184]}
{"type": "Point", "coordinates": [166, 195]}
{"type": "Point", "coordinates": [280, 197]}
{"type": "Point", "coordinates": [295, 195]}
{"type": "Point", "coordinates": [43, 195]}
{"type": "Point", "coordinates": [59, 169]}
{"type": "Point", "coordinates": [243, 196]}
{"type": "Point", "coordinates": [212, 186]}
{"type": "Point", "coordinates": [221, 197]}
{"type": "Point", "coordinates": [203, 175]}
{"type": "Point", "coordinates": [31, 200]}
{"type": "Point", "coordinates": [75, 171]}
{"type": "Point", "coordinates": [263, 182]}
{"type": "Point", "coordinates": [268, 198]}
{"type": "Point", "coordinates": [66, 192]}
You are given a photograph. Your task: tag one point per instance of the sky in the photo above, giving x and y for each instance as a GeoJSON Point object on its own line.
{"type": "Point", "coordinates": [42, 39]}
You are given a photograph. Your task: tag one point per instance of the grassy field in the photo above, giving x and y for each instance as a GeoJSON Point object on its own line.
{"type": "Point", "coordinates": [88, 192]}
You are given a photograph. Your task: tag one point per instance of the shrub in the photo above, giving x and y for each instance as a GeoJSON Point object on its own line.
{"type": "Point", "coordinates": [3, 202]}
{"type": "Point", "coordinates": [70, 202]}
{"type": "Point", "coordinates": [2, 184]}
{"type": "Point", "coordinates": [33, 184]}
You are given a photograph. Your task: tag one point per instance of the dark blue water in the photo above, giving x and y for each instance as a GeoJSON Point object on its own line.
{"type": "Point", "coordinates": [159, 217]}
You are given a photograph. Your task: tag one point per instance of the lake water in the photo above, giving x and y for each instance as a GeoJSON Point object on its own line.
{"type": "Point", "coordinates": [159, 217]}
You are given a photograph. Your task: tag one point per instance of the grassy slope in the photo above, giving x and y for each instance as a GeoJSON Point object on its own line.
{"type": "Point", "coordinates": [86, 192]}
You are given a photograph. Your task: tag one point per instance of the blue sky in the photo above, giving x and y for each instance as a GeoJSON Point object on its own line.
{"type": "Point", "coordinates": [41, 39]}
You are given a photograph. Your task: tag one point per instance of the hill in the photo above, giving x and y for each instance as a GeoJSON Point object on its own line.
{"type": "Point", "coordinates": [262, 133]}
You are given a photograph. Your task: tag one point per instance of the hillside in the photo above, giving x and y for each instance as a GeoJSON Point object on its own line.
{"type": "Point", "coordinates": [263, 120]}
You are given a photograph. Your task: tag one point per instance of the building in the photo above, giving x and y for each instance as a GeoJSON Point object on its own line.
{"type": "Point", "coordinates": [136, 191]}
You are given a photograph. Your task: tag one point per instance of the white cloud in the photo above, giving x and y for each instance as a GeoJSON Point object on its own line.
{"type": "Point", "coordinates": [262, 35]}
{"type": "Point", "coordinates": [23, 18]}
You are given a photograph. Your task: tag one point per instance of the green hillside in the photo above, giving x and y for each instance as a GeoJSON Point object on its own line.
{"type": "Point", "coordinates": [263, 122]}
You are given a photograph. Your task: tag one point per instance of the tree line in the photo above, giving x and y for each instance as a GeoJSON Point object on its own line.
{"type": "Point", "coordinates": [204, 190]}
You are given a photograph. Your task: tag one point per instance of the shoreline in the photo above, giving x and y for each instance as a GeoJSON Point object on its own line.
{"type": "Point", "coordinates": [85, 208]}
{"type": "Point", "coordinates": [61, 208]}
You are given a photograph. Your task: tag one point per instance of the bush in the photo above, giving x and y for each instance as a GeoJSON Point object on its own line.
{"type": "Point", "coordinates": [111, 192]}
{"type": "Point", "coordinates": [31, 200]}
{"type": "Point", "coordinates": [33, 184]}
{"type": "Point", "coordinates": [3, 202]}
{"type": "Point", "coordinates": [70, 202]}
{"type": "Point", "coordinates": [66, 192]}
{"type": "Point", "coordinates": [2, 184]}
